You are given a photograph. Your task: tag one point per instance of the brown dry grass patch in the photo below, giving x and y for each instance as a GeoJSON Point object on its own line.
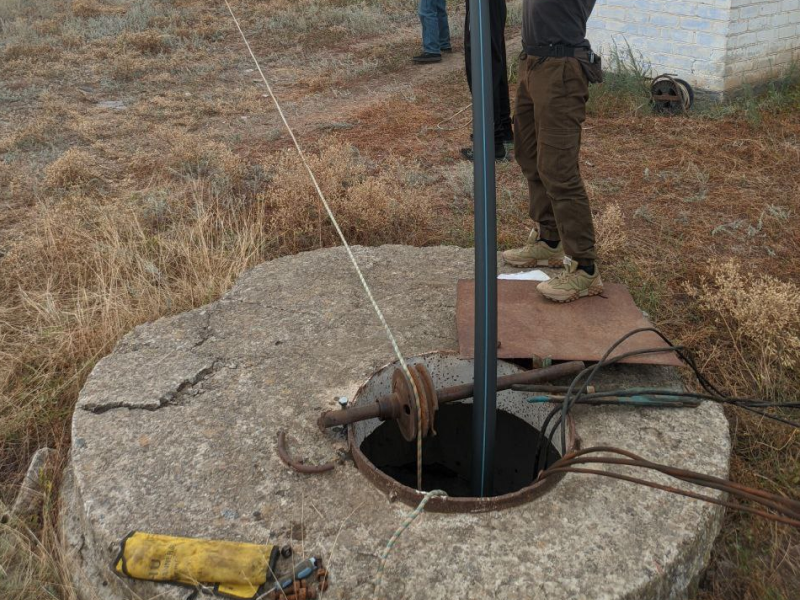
{"type": "Point", "coordinates": [75, 168]}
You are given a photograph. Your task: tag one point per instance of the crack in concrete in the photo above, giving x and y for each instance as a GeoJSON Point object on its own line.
{"type": "Point", "coordinates": [169, 398]}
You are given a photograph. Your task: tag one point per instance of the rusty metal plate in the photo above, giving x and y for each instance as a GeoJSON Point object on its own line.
{"type": "Point", "coordinates": [530, 326]}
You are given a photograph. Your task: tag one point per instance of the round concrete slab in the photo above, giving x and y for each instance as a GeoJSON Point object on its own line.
{"type": "Point", "coordinates": [175, 433]}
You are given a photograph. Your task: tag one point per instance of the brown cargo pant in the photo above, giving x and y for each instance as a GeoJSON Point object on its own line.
{"type": "Point", "coordinates": [549, 112]}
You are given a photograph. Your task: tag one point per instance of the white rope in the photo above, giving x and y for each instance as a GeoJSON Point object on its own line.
{"type": "Point", "coordinates": [335, 223]}
{"type": "Point", "coordinates": [396, 536]}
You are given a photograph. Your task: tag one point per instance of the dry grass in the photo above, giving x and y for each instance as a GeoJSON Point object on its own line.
{"type": "Point", "coordinates": [73, 169]}
{"type": "Point", "coordinates": [710, 207]}
{"type": "Point", "coordinates": [611, 233]}
{"type": "Point", "coordinates": [115, 217]}
{"type": "Point", "coordinates": [28, 569]}
{"type": "Point", "coordinates": [761, 318]}
{"type": "Point", "coordinates": [32, 561]}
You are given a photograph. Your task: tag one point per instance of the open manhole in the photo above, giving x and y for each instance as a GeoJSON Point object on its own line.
{"type": "Point", "coordinates": [389, 461]}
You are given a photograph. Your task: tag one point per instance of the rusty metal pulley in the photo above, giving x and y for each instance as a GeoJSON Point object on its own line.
{"type": "Point", "coordinates": [403, 393]}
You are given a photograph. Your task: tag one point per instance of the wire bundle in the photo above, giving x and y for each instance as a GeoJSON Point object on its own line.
{"type": "Point", "coordinates": [578, 391]}
{"type": "Point", "coordinates": [785, 510]}
{"type": "Point", "coordinates": [788, 510]}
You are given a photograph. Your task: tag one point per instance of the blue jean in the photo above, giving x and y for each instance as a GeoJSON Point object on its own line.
{"type": "Point", "coordinates": [435, 29]}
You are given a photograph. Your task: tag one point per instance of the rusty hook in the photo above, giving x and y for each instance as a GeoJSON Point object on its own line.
{"type": "Point", "coordinates": [298, 465]}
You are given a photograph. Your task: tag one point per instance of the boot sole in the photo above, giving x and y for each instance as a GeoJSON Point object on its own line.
{"type": "Point", "coordinates": [592, 291]}
{"type": "Point", "coordinates": [553, 263]}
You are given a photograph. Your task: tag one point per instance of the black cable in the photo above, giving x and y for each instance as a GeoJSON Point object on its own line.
{"type": "Point", "coordinates": [572, 395]}
{"type": "Point", "coordinates": [536, 461]}
{"type": "Point", "coordinates": [592, 371]}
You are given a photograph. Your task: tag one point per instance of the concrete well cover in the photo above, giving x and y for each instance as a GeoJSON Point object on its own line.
{"type": "Point", "coordinates": [175, 433]}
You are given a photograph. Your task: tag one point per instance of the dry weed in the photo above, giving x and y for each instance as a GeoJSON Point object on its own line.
{"type": "Point", "coordinates": [611, 233]}
{"type": "Point", "coordinates": [87, 8]}
{"type": "Point", "coordinates": [75, 168]}
{"type": "Point", "coordinates": [127, 67]}
{"type": "Point", "coordinates": [29, 52]}
{"type": "Point", "coordinates": [371, 209]}
{"type": "Point", "coordinates": [358, 18]}
{"type": "Point", "coordinates": [31, 135]}
{"type": "Point", "coordinates": [760, 318]}
{"type": "Point", "coordinates": [6, 177]}
{"type": "Point", "coordinates": [459, 177]}
{"type": "Point", "coordinates": [28, 571]}
{"type": "Point", "coordinates": [194, 156]}
{"type": "Point", "coordinates": [145, 42]}
{"type": "Point", "coordinates": [33, 565]}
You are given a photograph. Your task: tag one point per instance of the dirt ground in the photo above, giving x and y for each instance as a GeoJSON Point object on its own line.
{"type": "Point", "coordinates": [143, 167]}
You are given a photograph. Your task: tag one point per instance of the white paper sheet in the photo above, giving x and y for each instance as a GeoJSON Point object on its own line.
{"type": "Point", "coordinates": [535, 275]}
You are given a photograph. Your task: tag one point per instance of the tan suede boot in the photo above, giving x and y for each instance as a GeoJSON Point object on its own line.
{"type": "Point", "coordinates": [535, 253]}
{"type": "Point", "coordinates": [572, 284]}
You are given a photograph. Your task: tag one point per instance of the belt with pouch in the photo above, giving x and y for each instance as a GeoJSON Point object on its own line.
{"type": "Point", "coordinates": [561, 51]}
{"type": "Point", "coordinates": [589, 61]}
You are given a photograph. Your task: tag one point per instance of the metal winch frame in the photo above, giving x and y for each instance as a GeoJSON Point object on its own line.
{"type": "Point", "coordinates": [401, 405]}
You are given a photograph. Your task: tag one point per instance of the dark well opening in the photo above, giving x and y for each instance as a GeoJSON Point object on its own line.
{"type": "Point", "coordinates": [447, 456]}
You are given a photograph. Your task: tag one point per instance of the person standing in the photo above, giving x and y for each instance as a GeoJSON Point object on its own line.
{"type": "Point", "coordinates": [554, 74]}
{"type": "Point", "coordinates": [435, 31]}
{"type": "Point", "coordinates": [500, 100]}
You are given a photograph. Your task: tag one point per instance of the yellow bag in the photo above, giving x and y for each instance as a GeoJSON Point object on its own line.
{"type": "Point", "coordinates": [231, 569]}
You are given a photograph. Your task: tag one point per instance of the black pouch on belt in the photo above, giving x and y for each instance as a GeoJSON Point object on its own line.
{"type": "Point", "coordinates": [591, 64]}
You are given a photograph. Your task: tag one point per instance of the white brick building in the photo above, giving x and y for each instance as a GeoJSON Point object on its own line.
{"type": "Point", "coordinates": [716, 45]}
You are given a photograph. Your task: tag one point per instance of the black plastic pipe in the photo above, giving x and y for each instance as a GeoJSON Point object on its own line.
{"type": "Point", "coordinates": [484, 407]}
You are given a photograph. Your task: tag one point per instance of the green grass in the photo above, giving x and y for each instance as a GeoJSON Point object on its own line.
{"type": "Point", "coordinates": [626, 84]}
{"type": "Point", "coordinates": [752, 103]}
{"type": "Point", "coordinates": [626, 90]}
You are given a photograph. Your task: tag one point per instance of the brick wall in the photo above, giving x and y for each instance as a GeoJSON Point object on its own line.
{"type": "Point", "coordinates": [764, 37]}
{"type": "Point", "coordinates": [714, 44]}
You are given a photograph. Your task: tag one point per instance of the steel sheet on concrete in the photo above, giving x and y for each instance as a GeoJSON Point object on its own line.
{"type": "Point", "coordinates": [530, 326]}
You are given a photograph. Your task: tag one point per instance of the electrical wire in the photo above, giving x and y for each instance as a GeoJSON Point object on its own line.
{"type": "Point", "coordinates": [781, 508]}
{"type": "Point", "coordinates": [741, 402]}
{"type": "Point", "coordinates": [784, 510]}
{"type": "Point", "coordinates": [577, 390]}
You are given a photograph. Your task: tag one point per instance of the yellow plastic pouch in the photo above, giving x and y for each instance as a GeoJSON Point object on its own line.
{"type": "Point", "coordinates": [230, 569]}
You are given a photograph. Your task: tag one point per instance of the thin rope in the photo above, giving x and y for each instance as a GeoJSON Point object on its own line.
{"type": "Point", "coordinates": [453, 116]}
{"type": "Point", "coordinates": [335, 223]}
{"type": "Point", "coordinates": [396, 535]}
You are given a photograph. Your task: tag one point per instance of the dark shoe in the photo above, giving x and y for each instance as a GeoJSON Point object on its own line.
{"type": "Point", "coordinates": [508, 139]}
{"type": "Point", "coordinates": [448, 50]}
{"type": "Point", "coordinates": [427, 57]}
{"type": "Point", "coordinates": [500, 153]}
